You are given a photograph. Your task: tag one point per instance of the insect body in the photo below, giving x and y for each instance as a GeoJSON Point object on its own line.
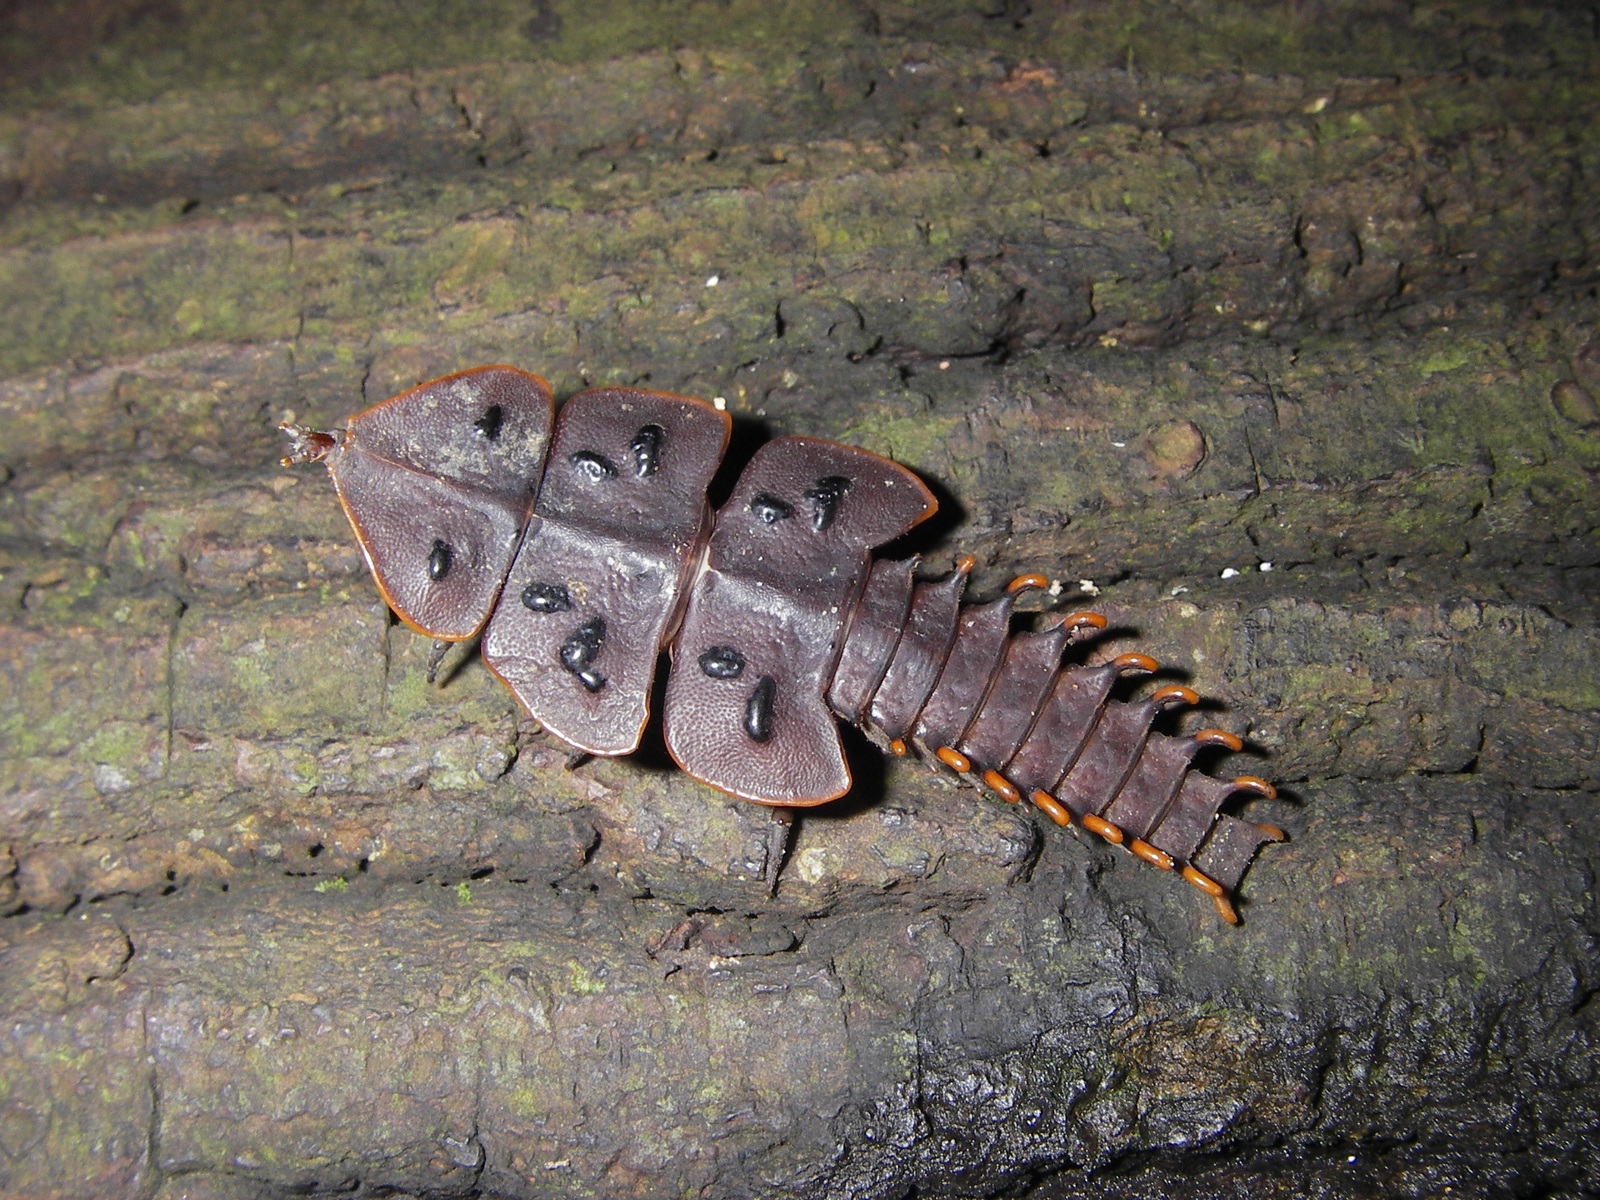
{"type": "Point", "coordinates": [580, 547]}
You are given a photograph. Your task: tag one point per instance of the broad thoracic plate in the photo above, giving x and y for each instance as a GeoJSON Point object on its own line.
{"type": "Point", "coordinates": [599, 577]}
{"type": "Point", "coordinates": [745, 710]}
{"type": "Point", "coordinates": [438, 484]}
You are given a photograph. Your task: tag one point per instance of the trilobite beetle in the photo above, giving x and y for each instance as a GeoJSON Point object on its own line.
{"type": "Point", "coordinates": [578, 547]}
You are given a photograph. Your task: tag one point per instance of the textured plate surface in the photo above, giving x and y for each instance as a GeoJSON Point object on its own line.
{"type": "Point", "coordinates": [600, 574]}
{"type": "Point", "coordinates": [438, 483]}
{"type": "Point", "coordinates": [787, 559]}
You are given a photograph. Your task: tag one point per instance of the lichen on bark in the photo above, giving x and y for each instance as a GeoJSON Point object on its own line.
{"type": "Point", "coordinates": [1269, 331]}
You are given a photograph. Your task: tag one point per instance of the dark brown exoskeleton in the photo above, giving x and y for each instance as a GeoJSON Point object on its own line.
{"type": "Point", "coordinates": [579, 548]}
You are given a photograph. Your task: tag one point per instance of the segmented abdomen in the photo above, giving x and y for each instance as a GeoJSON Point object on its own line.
{"type": "Point", "coordinates": [1001, 711]}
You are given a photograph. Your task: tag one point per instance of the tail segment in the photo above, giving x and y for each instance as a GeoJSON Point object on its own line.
{"type": "Point", "coordinates": [1000, 711]}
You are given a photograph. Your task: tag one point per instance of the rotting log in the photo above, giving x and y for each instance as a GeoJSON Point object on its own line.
{"type": "Point", "coordinates": [1150, 297]}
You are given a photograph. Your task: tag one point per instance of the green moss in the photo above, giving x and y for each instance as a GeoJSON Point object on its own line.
{"type": "Point", "coordinates": [582, 982]}
{"type": "Point", "coordinates": [143, 54]}
{"type": "Point", "coordinates": [119, 743]}
{"type": "Point", "coordinates": [1525, 653]}
{"type": "Point", "coordinates": [409, 695]}
{"type": "Point", "coordinates": [79, 1062]}
{"type": "Point", "coordinates": [1122, 300]}
{"type": "Point", "coordinates": [307, 774]}
{"type": "Point", "coordinates": [303, 666]}
{"type": "Point", "coordinates": [921, 443]}
{"type": "Point", "coordinates": [349, 262]}
{"type": "Point", "coordinates": [126, 297]}
{"type": "Point", "coordinates": [454, 766]}
{"type": "Point", "coordinates": [527, 1101]}
{"type": "Point", "coordinates": [336, 884]}
{"type": "Point", "coordinates": [1449, 359]}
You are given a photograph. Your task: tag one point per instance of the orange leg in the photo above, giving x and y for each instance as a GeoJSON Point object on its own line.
{"type": "Point", "coordinates": [1142, 849]}
{"type": "Point", "coordinates": [954, 759]}
{"type": "Point", "coordinates": [1249, 783]}
{"type": "Point", "coordinates": [1083, 620]}
{"type": "Point", "coordinates": [1103, 827]}
{"type": "Point", "coordinates": [1002, 787]}
{"type": "Point", "coordinates": [1135, 662]}
{"type": "Point", "coordinates": [1052, 808]}
{"type": "Point", "coordinates": [1027, 583]}
{"type": "Point", "coordinates": [1174, 694]}
{"type": "Point", "coordinates": [1156, 858]}
{"type": "Point", "coordinates": [1212, 888]}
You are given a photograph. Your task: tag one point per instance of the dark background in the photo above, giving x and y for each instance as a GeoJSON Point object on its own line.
{"type": "Point", "coordinates": [1148, 292]}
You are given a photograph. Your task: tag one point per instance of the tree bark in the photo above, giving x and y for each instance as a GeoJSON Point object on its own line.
{"type": "Point", "coordinates": [1270, 333]}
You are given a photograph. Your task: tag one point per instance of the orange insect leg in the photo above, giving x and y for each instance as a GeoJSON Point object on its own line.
{"type": "Point", "coordinates": [1176, 691]}
{"type": "Point", "coordinates": [1135, 662]}
{"type": "Point", "coordinates": [1026, 583]}
{"type": "Point", "coordinates": [1103, 827]}
{"type": "Point", "coordinates": [954, 759]}
{"type": "Point", "coordinates": [1052, 808]}
{"type": "Point", "coordinates": [1002, 787]}
{"type": "Point", "coordinates": [1213, 889]}
{"type": "Point", "coordinates": [1249, 783]}
{"type": "Point", "coordinates": [1083, 620]}
{"type": "Point", "coordinates": [1156, 858]}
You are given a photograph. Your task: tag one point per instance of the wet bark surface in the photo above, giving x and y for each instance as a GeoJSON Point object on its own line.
{"type": "Point", "coordinates": [1270, 332]}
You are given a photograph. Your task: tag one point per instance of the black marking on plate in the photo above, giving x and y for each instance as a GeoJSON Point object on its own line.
{"type": "Point", "coordinates": [758, 710]}
{"type": "Point", "coordinates": [722, 662]}
{"type": "Point", "coordinates": [546, 598]}
{"type": "Point", "coordinates": [769, 510]}
{"type": "Point", "coordinates": [825, 495]}
{"type": "Point", "coordinates": [580, 650]}
{"type": "Point", "coordinates": [596, 468]}
{"type": "Point", "coordinates": [489, 424]}
{"type": "Point", "coordinates": [646, 447]}
{"type": "Point", "coordinates": [440, 559]}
